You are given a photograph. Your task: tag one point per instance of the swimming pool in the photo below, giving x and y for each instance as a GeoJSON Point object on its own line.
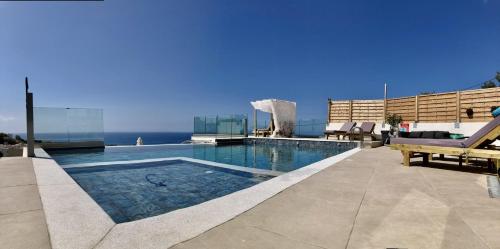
{"type": "Point", "coordinates": [128, 192]}
{"type": "Point", "coordinates": [135, 182]}
{"type": "Point", "coordinates": [277, 156]}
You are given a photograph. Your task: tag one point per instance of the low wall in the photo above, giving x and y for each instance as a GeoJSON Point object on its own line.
{"type": "Point", "coordinates": [463, 128]}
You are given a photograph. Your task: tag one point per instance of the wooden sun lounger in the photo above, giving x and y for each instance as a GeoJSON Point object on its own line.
{"type": "Point", "coordinates": [367, 128]}
{"type": "Point", "coordinates": [475, 146]}
{"type": "Point", "coordinates": [346, 127]}
{"type": "Point", "coordinates": [263, 132]}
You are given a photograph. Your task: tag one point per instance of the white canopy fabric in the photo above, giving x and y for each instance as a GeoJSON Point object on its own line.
{"type": "Point", "coordinates": [283, 115]}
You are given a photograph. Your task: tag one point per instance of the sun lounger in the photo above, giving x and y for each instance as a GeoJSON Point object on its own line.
{"type": "Point", "coordinates": [267, 131]}
{"type": "Point", "coordinates": [474, 146]}
{"type": "Point", "coordinates": [347, 127]}
{"type": "Point", "coordinates": [367, 128]}
{"type": "Point", "coordinates": [263, 132]}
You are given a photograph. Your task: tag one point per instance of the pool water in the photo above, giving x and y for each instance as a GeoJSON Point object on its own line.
{"type": "Point", "coordinates": [129, 192]}
{"type": "Point", "coordinates": [277, 157]}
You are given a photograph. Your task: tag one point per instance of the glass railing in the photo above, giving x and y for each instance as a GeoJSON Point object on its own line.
{"type": "Point", "coordinates": [263, 124]}
{"type": "Point", "coordinates": [221, 125]}
{"type": "Point", "coordinates": [310, 128]}
{"type": "Point", "coordinates": [68, 124]}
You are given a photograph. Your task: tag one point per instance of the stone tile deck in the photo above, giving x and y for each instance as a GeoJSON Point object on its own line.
{"type": "Point", "coordinates": [368, 201]}
{"type": "Point", "coordinates": [22, 220]}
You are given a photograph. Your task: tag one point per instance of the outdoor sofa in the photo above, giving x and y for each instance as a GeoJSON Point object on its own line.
{"type": "Point", "coordinates": [476, 145]}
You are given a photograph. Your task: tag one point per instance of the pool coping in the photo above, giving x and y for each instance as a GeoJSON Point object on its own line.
{"type": "Point", "coordinates": [75, 220]}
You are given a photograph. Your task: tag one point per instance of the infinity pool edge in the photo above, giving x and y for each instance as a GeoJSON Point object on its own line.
{"type": "Point", "coordinates": [75, 220]}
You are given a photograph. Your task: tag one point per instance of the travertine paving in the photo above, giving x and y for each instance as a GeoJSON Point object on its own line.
{"type": "Point", "coordinates": [368, 201]}
{"type": "Point", "coordinates": [22, 220]}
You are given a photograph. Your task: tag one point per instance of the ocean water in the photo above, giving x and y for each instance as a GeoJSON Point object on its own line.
{"type": "Point", "coordinates": [130, 138]}
{"type": "Point", "coordinates": [118, 138]}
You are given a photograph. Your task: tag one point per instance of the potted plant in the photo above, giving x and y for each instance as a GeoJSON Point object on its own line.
{"type": "Point", "coordinates": [394, 120]}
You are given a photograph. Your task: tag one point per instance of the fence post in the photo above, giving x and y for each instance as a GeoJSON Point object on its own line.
{"type": "Point", "coordinates": [350, 110]}
{"type": "Point", "coordinates": [245, 127]}
{"type": "Point", "coordinates": [216, 125]}
{"type": "Point", "coordinates": [458, 107]}
{"type": "Point", "coordinates": [416, 109]}
{"type": "Point", "coordinates": [385, 104]}
{"type": "Point", "coordinates": [299, 128]}
{"type": "Point", "coordinates": [30, 130]}
{"type": "Point", "coordinates": [329, 111]}
{"type": "Point", "coordinates": [254, 121]}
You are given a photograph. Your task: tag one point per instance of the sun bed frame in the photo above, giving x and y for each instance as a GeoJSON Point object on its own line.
{"type": "Point", "coordinates": [475, 150]}
{"type": "Point", "coordinates": [267, 131]}
{"type": "Point", "coordinates": [366, 127]}
{"type": "Point", "coordinates": [346, 127]}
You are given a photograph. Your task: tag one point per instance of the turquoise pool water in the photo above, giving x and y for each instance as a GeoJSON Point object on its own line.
{"type": "Point", "coordinates": [129, 192]}
{"type": "Point", "coordinates": [278, 157]}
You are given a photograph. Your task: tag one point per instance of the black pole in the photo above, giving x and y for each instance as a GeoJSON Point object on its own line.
{"type": "Point", "coordinates": [30, 131]}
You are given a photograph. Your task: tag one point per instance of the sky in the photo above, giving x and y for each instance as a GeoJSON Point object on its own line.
{"type": "Point", "coordinates": [154, 65]}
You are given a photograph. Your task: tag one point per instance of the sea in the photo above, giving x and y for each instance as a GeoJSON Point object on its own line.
{"type": "Point", "coordinates": [122, 138]}
{"type": "Point", "coordinates": [130, 138]}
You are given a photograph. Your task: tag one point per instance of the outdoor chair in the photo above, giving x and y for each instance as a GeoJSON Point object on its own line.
{"type": "Point", "coordinates": [367, 128]}
{"type": "Point", "coordinates": [265, 132]}
{"type": "Point", "coordinates": [347, 127]}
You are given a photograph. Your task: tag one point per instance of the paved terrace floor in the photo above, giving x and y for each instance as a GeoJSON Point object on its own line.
{"type": "Point", "coordinates": [22, 220]}
{"type": "Point", "coordinates": [368, 201]}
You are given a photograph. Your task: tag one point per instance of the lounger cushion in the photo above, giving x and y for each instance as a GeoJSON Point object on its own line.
{"type": "Point", "coordinates": [442, 135]}
{"type": "Point", "coordinates": [347, 127]}
{"type": "Point", "coordinates": [404, 134]}
{"type": "Point", "coordinates": [368, 127]}
{"type": "Point", "coordinates": [427, 134]}
{"type": "Point", "coordinates": [344, 129]}
{"type": "Point", "coordinates": [458, 143]}
{"type": "Point", "coordinates": [415, 134]}
{"type": "Point", "coordinates": [482, 132]}
{"type": "Point", "coordinates": [496, 112]}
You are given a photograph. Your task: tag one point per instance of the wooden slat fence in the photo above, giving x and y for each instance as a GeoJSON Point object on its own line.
{"type": "Point", "coordinates": [432, 108]}
{"type": "Point", "coordinates": [404, 107]}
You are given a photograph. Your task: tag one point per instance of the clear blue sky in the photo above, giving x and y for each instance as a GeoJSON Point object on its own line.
{"type": "Point", "coordinates": [153, 65]}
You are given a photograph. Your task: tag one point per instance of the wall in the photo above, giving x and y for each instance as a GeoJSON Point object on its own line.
{"type": "Point", "coordinates": [464, 128]}
{"type": "Point", "coordinates": [432, 108]}
{"type": "Point", "coordinates": [441, 111]}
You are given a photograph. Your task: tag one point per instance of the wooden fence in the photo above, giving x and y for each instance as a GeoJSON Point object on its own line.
{"type": "Point", "coordinates": [431, 108]}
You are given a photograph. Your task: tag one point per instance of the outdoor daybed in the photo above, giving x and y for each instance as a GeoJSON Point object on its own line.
{"type": "Point", "coordinates": [474, 146]}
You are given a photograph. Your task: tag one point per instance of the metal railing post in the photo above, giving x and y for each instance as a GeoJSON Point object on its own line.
{"type": "Point", "coordinates": [30, 130]}
{"type": "Point", "coordinates": [216, 125]}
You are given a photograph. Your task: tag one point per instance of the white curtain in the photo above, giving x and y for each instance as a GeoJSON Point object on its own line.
{"type": "Point", "coordinates": [283, 115]}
